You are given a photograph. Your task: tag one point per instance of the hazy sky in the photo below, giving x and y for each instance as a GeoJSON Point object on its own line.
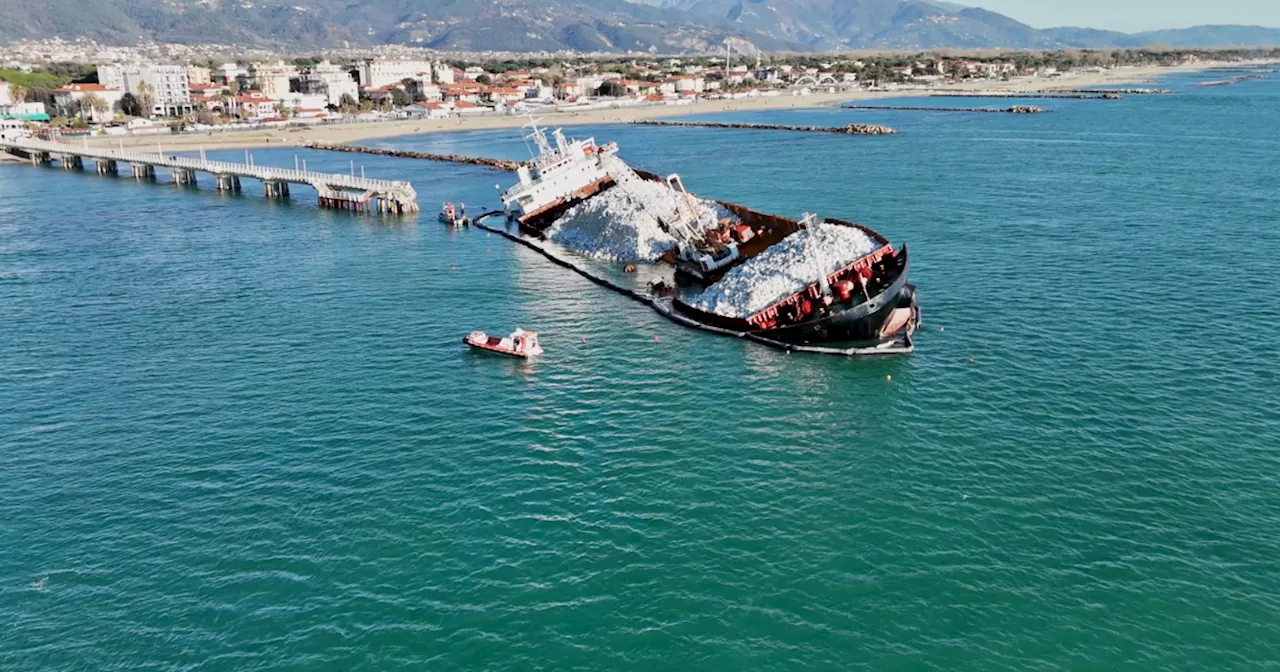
{"type": "Point", "coordinates": [1135, 15]}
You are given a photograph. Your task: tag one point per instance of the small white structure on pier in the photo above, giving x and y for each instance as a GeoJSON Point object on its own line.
{"type": "Point", "coordinates": [335, 190]}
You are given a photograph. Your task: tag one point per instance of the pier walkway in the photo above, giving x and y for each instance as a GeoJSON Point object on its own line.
{"type": "Point", "coordinates": [335, 190]}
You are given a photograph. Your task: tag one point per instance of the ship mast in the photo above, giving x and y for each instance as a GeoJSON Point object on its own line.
{"type": "Point", "coordinates": [810, 222]}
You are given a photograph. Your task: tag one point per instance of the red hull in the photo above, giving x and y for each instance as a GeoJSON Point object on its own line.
{"type": "Point", "coordinates": [493, 348]}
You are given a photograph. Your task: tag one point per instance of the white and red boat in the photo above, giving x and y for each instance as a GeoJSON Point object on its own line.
{"type": "Point", "coordinates": [520, 343]}
{"type": "Point", "coordinates": [451, 215]}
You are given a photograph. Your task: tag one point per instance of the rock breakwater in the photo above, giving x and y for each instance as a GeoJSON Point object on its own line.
{"type": "Point", "coordinates": [1016, 109]}
{"type": "Point", "coordinates": [496, 164]}
{"type": "Point", "coordinates": [851, 129]}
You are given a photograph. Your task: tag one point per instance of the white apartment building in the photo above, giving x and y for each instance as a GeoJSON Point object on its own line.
{"type": "Point", "coordinates": [272, 79]}
{"type": "Point", "coordinates": [442, 73]}
{"type": "Point", "coordinates": [169, 87]}
{"type": "Point", "coordinates": [299, 102]}
{"type": "Point", "coordinates": [330, 81]}
{"type": "Point", "coordinates": [5, 98]}
{"type": "Point", "coordinates": [168, 83]}
{"type": "Point", "coordinates": [111, 75]}
{"type": "Point", "coordinates": [376, 73]}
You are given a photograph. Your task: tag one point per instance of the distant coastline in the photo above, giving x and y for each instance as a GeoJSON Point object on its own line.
{"type": "Point", "coordinates": [357, 132]}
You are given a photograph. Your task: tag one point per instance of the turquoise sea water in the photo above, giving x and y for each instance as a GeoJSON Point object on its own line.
{"type": "Point", "coordinates": [237, 434]}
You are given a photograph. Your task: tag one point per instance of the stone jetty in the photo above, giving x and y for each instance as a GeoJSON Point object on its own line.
{"type": "Point", "coordinates": [1016, 109]}
{"type": "Point", "coordinates": [1233, 80]}
{"type": "Point", "coordinates": [1065, 95]}
{"type": "Point", "coordinates": [496, 164]}
{"type": "Point", "coordinates": [1123, 92]}
{"type": "Point", "coordinates": [851, 129]}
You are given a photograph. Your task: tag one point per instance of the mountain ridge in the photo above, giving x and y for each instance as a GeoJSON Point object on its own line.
{"type": "Point", "coordinates": [660, 26]}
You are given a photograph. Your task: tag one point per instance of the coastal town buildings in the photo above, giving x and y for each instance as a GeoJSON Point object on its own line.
{"type": "Point", "coordinates": [329, 80]}
{"type": "Point", "coordinates": [303, 103]}
{"type": "Point", "coordinates": [166, 85]}
{"type": "Point", "coordinates": [376, 73]}
{"type": "Point", "coordinates": [199, 75]}
{"type": "Point", "coordinates": [443, 73]}
{"type": "Point", "coordinates": [112, 75]}
{"type": "Point", "coordinates": [24, 111]}
{"type": "Point", "coordinates": [273, 79]}
{"type": "Point", "coordinates": [255, 105]}
{"type": "Point", "coordinates": [169, 87]}
{"type": "Point", "coordinates": [231, 72]}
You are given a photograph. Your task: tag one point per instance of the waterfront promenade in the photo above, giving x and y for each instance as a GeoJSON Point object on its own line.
{"type": "Point", "coordinates": [334, 190]}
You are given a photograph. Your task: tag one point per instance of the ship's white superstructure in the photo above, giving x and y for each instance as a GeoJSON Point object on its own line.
{"type": "Point", "coordinates": [559, 174]}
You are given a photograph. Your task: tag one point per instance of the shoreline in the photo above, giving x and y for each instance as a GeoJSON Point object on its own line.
{"type": "Point", "coordinates": [357, 132]}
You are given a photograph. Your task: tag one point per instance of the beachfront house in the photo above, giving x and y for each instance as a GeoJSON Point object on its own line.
{"type": "Point", "coordinates": [466, 92]}
{"type": "Point", "coordinates": [93, 103]}
{"type": "Point", "coordinates": [430, 110]}
{"type": "Point", "coordinates": [24, 111]}
{"type": "Point", "coordinates": [689, 85]}
{"type": "Point", "coordinates": [255, 105]}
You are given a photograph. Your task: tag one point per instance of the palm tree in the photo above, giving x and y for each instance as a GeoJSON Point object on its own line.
{"type": "Point", "coordinates": [146, 99]}
{"type": "Point", "coordinates": [95, 105]}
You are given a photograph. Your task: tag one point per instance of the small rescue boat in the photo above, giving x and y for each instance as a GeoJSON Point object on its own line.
{"type": "Point", "coordinates": [453, 216]}
{"type": "Point", "coordinates": [520, 343]}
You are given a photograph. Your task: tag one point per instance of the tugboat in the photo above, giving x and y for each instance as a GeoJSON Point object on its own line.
{"type": "Point", "coordinates": [559, 176]}
{"type": "Point", "coordinates": [520, 343]}
{"type": "Point", "coordinates": [453, 216]}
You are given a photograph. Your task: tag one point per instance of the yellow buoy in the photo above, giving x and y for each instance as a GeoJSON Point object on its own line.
{"type": "Point", "coordinates": [888, 377]}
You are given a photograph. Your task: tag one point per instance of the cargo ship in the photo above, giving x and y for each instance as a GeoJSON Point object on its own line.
{"type": "Point", "coordinates": [866, 301]}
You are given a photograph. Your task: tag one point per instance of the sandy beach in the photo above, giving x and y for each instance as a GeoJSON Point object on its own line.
{"type": "Point", "coordinates": [356, 132]}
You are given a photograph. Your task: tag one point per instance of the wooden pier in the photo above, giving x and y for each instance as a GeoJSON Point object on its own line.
{"type": "Point", "coordinates": [335, 190]}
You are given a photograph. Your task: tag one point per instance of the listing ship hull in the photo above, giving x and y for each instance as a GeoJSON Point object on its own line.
{"type": "Point", "coordinates": [885, 317]}
{"type": "Point", "coordinates": [861, 325]}
{"type": "Point", "coordinates": [536, 223]}
{"type": "Point", "coordinates": [887, 313]}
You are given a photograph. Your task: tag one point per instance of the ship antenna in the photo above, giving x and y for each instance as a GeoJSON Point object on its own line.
{"type": "Point", "coordinates": [538, 136]}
